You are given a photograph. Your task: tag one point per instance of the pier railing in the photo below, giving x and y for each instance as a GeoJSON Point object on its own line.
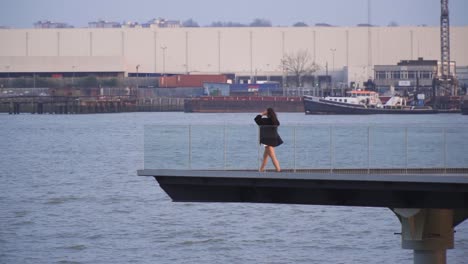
{"type": "Point", "coordinates": [321, 148]}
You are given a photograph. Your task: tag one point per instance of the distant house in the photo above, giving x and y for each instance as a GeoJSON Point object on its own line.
{"type": "Point", "coordinates": [162, 23]}
{"type": "Point", "coordinates": [104, 24]}
{"type": "Point", "coordinates": [49, 24]}
{"type": "Point", "coordinates": [130, 24]}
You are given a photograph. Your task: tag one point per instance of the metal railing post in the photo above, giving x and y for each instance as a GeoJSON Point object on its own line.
{"type": "Point", "coordinates": [294, 149]}
{"type": "Point", "coordinates": [190, 147]}
{"type": "Point", "coordinates": [224, 139]}
{"type": "Point", "coordinates": [368, 150]}
{"type": "Point", "coordinates": [406, 150]}
{"type": "Point", "coordinates": [445, 150]}
{"type": "Point", "coordinates": [331, 150]}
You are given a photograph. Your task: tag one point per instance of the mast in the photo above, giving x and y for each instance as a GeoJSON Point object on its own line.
{"type": "Point", "coordinates": [445, 75]}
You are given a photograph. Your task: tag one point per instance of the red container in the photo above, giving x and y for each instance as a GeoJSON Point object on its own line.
{"type": "Point", "coordinates": [168, 81]}
{"type": "Point", "coordinates": [191, 80]}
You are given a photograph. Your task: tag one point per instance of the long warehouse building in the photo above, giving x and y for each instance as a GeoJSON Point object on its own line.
{"type": "Point", "coordinates": [350, 52]}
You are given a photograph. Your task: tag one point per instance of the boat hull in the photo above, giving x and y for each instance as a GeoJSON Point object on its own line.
{"type": "Point", "coordinates": [316, 105]}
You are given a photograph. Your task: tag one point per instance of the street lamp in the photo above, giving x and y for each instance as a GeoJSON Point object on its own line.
{"type": "Point", "coordinates": [333, 58]}
{"type": "Point", "coordinates": [164, 59]}
{"type": "Point", "coordinates": [268, 71]}
{"type": "Point", "coordinates": [7, 68]}
{"type": "Point", "coordinates": [73, 75]}
{"type": "Point", "coordinates": [137, 67]}
{"type": "Point", "coordinates": [333, 66]}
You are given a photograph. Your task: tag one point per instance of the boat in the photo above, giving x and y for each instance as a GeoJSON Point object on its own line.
{"type": "Point", "coordinates": [363, 102]}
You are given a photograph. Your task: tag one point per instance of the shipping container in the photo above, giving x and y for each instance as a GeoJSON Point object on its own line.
{"type": "Point", "coordinates": [191, 80]}
{"type": "Point", "coordinates": [266, 89]}
{"type": "Point", "coordinates": [179, 92]}
{"type": "Point", "coordinates": [168, 81]}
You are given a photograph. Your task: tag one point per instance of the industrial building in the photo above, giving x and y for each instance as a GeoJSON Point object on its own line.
{"type": "Point", "coordinates": [348, 54]}
{"type": "Point", "coordinates": [408, 76]}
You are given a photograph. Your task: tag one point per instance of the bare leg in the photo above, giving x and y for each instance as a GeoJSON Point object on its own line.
{"type": "Point", "coordinates": [265, 159]}
{"type": "Point", "coordinates": [273, 158]}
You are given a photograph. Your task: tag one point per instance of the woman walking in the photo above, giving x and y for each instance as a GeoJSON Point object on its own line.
{"type": "Point", "coordinates": [268, 122]}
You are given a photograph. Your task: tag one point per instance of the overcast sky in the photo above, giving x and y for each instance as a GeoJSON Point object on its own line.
{"type": "Point", "coordinates": [24, 13]}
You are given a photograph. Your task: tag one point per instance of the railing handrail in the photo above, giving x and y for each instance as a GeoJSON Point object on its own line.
{"type": "Point", "coordinates": [407, 141]}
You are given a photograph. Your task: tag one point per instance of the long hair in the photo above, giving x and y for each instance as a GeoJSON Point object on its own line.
{"type": "Point", "coordinates": [271, 114]}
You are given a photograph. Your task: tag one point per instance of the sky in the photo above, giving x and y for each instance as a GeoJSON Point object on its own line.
{"type": "Point", "coordinates": [24, 13]}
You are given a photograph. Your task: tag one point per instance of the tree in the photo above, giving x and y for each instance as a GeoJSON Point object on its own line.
{"type": "Point", "coordinates": [258, 22]}
{"type": "Point", "coordinates": [300, 24]}
{"type": "Point", "coordinates": [226, 24]}
{"type": "Point", "coordinates": [393, 24]}
{"type": "Point", "coordinates": [299, 64]}
{"type": "Point", "coordinates": [190, 23]}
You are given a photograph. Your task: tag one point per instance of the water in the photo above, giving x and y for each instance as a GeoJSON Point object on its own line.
{"type": "Point", "coordinates": [69, 194]}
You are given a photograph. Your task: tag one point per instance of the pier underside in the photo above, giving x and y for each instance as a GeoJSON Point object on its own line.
{"type": "Point", "coordinates": [378, 190]}
{"type": "Point", "coordinates": [428, 204]}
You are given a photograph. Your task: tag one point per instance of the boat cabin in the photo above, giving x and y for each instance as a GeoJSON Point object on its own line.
{"type": "Point", "coordinates": [369, 98]}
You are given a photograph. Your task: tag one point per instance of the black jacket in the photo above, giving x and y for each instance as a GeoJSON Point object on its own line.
{"type": "Point", "coordinates": [268, 131]}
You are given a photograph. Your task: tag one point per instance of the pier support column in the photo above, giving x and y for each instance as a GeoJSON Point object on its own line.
{"type": "Point", "coordinates": [429, 232]}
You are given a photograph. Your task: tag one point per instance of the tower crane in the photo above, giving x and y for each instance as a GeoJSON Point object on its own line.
{"type": "Point", "coordinates": [446, 77]}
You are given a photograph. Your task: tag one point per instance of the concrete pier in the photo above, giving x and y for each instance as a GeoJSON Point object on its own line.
{"type": "Point", "coordinates": [428, 205]}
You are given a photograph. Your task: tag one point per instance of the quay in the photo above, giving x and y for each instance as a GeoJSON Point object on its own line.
{"type": "Point", "coordinates": [87, 105]}
{"type": "Point", "coordinates": [420, 173]}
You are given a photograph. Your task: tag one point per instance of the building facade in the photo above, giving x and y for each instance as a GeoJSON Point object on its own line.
{"type": "Point", "coordinates": [342, 52]}
{"type": "Point", "coordinates": [408, 75]}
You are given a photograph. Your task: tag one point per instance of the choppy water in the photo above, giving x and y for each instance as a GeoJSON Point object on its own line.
{"type": "Point", "coordinates": [69, 194]}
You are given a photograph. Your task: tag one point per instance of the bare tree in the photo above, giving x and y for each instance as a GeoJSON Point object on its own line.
{"type": "Point", "coordinates": [300, 24]}
{"type": "Point", "coordinates": [259, 22]}
{"type": "Point", "coordinates": [190, 23]}
{"type": "Point", "coordinates": [299, 64]}
{"type": "Point", "coordinates": [226, 24]}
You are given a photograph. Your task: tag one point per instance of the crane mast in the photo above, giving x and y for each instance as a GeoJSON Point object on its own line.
{"type": "Point", "coordinates": [446, 77]}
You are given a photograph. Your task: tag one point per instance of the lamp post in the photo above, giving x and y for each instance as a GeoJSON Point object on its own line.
{"type": "Point", "coordinates": [7, 68]}
{"type": "Point", "coordinates": [137, 67]}
{"type": "Point", "coordinates": [164, 59]}
{"type": "Point", "coordinates": [268, 72]}
{"type": "Point", "coordinates": [73, 75]}
{"type": "Point", "coordinates": [333, 58]}
{"type": "Point", "coordinates": [333, 66]}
